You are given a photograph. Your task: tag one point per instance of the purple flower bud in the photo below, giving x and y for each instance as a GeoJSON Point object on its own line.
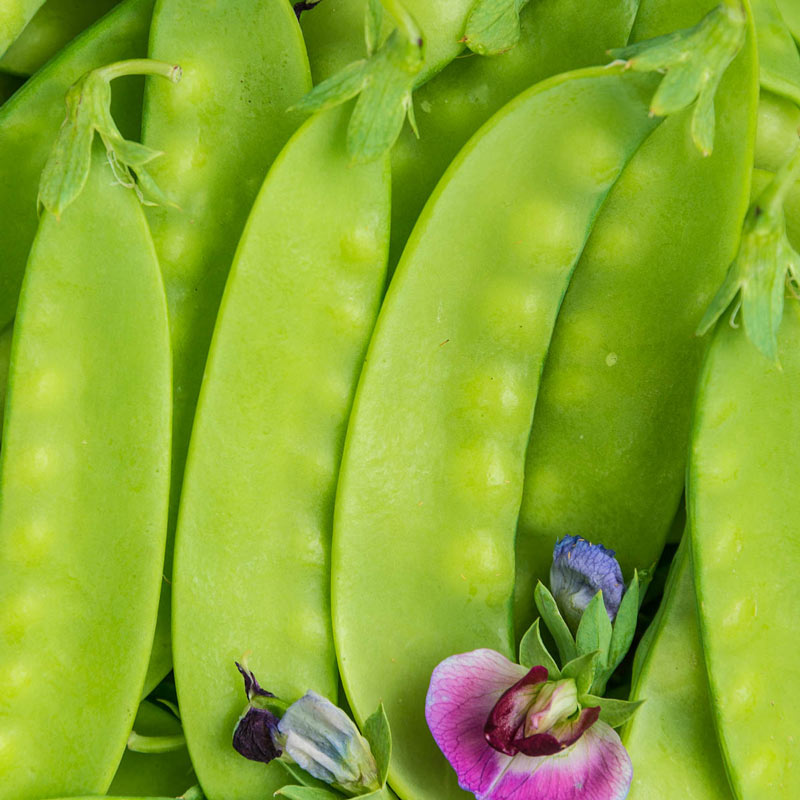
{"type": "Point", "coordinates": [578, 572]}
{"type": "Point", "coordinates": [255, 735]}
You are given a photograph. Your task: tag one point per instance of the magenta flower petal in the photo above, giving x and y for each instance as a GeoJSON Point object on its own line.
{"type": "Point", "coordinates": [463, 691]}
{"type": "Point", "coordinates": [596, 767]}
{"type": "Point", "coordinates": [510, 711]}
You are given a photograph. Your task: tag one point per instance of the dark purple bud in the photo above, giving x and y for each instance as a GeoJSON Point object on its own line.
{"type": "Point", "coordinates": [579, 571]}
{"type": "Point", "coordinates": [255, 735]}
{"type": "Point", "coordinates": [251, 685]}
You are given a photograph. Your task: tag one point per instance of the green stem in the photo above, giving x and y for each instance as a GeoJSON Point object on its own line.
{"type": "Point", "coordinates": [141, 66]}
{"type": "Point", "coordinates": [770, 201]}
{"type": "Point", "coordinates": [406, 23]}
{"type": "Point", "coordinates": [155, 744]}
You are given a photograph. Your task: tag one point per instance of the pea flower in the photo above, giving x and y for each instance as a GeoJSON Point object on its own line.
{"type": "Point", "coordinates": [578, 572]}
{"type": "Point", "coordinates": [311, 733]}
{"type": "Point", "coordinates": [511, 732]}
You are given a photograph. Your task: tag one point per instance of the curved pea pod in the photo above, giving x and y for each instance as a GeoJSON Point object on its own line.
{"type": "Point", "coordinates": [779, 61]}
{"type": "Point", "coordinates": [431, 478]}
{"type": "Point", "coordinates": [154, 774]}
{"type": "Point", "coordinates": [5, 357]}
{"type": "Point", "coordinates": [790, 11]}
{"type": "Point", "coordinates": [14, 16]}
{"type": "Point", "coordinates": [53, 25]}
{"type": "Point", "coordinates": [608, 445]}
{"type": "Point", "coordinates": [743, 509]}
{"type": "Point", "coordinates": [778, 130]}
{"type": "Point", "coordinates": [30, 121]}
{"type": "Point", "coordinates": [257, 505]}
{"type": "Point", "coordinates": [243, 64]}
{"type": "Point", "coordinates": [457, 101]}
{"type": "Point", "coordinates": [84, 478]}
{"type": "Point", "coordinates": [671, 739]}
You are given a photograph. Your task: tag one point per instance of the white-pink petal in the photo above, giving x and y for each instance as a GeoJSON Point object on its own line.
{"type": "Point", "coordinates": [464, 689]}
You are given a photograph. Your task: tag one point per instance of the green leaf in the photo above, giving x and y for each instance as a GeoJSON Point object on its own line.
{"type": "Point", "coordinates": [624, 625]}
{"type": "Point", "coordinates": [532, 652]}
{"type": "Point", "coordinates": [582, 670]}
{"type": "Point", "coordinates": [379, 735]}
{"type": "Point", "coordinates": [308, 793]}
{"type": "Point", "coordinates": [612, 712]}
{"type": "Point", "coordinates": [759, 273]}
{"type": "Point", "coordinates": [594, 630]}
{"type": "Point", "coordinates": [694, 59]}
{"type": "Point", "coordinates": [493, 26]}
{"type": "Point", "coordinates": [372, 25]}
{"type": "Point", "coordinates": [548, 609]}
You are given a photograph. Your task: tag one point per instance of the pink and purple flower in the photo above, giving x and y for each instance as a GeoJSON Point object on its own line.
{"type": "Point", "coordinates": [512, 734]}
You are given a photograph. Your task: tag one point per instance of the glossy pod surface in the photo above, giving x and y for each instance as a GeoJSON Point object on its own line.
{"type": "Point", "coordinates": [608, 445]}
{"type": "Point", "coordinates": [53, 25]}
{"type": "Point", "coordinates": [30, 121]}
{"type": "Point", "coordinates": [744, 507]}
{"type": "Point", "coordinates": [778, 126]}
{"type": "Point", "coordinates": [220, 128]}
{"type": "Point", "coordinates": [671, 740]}
{"type": "Point", "coordinates": [779, 61]}
{"type": "Point", "coordinates": [84, 478]}
{"type": "Point", "coordinates": [423, 555]}
{"type": "Point", "coordinates": [252, 569]}
{"type": "Point", "coordinates": [14, 16]}
{"type": "Point", "coordinates": [5, 356]}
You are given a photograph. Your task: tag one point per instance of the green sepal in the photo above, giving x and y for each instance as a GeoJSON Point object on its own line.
{"type": "Point", "coordinates": [372, 25]}
{"type": "Point", "coordinates": [694, 59]}
{"type": "Point", "coordinates": [88, 112]}
{"type": "Point", "coordinates": [272, 704]}
{"type": "Point", "coordinates": [594, 631]}
{"type": "Point", "coordinates": [612, 712]}
{"type": "Point", "coordinates": [548, 609]}
{"type": "Point", "coordinates": [533, 653]}
{"type": "Point", "coordinates": [294, 792]}
{"type": "Point", "coordinates": [379, 735]}
{"type": "Point", "coordinates": [759, 273]}
{"type": "Point", "coordinates": [582, 670]}
{"type": "Point", "coordinates": [493, 26]}
{"type": "Point", "coordinates": [303, 778]}
{"type": "Point", "coordinates": [384, 83]}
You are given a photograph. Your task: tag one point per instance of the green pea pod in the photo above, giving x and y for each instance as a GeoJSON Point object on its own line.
{"type": "Point", "coordinates": [431, 478]}
{"type": "Point", "coordinates": [779, 61]}
{"type": "Point", "coordinates": [30, 121]}
{"type": "Point", "coordinates": [53, 25]}
{"type": "Point", "coordinates": [5, 356]}
{"type": "Point", "coordinates": [790, 11]}
{"type": "Point", "coordinates": [778, 130]}
{"type": "Point", "coordinates": [257, 505]}
{"type": "Point", "coordinates": [671, 738]}
{"type": "Point", "coordinates": [14, 16]}
{"type": "Point", "coordinates": [457, 101]}
{"type": "Point", "coordinates": [244, 64]}
{"type": "Point", "coordinates": [164, 774]}
{"type": "Point", "coordinates": [608, 445]}
{"type": "Point", "coordinates": [742, 508]}
{"type": "Point", "coordinates": [84, 478]}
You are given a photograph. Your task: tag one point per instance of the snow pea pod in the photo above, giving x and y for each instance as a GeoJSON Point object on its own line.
{"type": "Point", "coordinates": [790, 11]}
{"type": "Point", "coordinates": [457, 101]}
{"type": "Point", "coordinates": [153, 774]}
{"type": "Point", "coordinates": [30, 121]}
{"type": "Point", "coordinates": [779, 61]}
{"type": "Point", "coordinates": [431, 478]}
{"type": "Point", "coordinates": [244, 64]}
{"type": "Point", "coordinates": [257, 506]}
{"type": "Point", "coordinates": [608, 445]}
{"type": "Point", "coordinates": [671, 738]}
{"type": "Point", "coordinates": [5, 356]}
{"type": "Point", "coordinates": [14, 16]}
{"type": "Point", "coordinates": [53, 25]}
{"type": "Point", "coordinates": [84, 477]}
{"type": "Point", "coordinates": [743, 510]}
{"type": "Point", "coordinates": [778, 126]}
